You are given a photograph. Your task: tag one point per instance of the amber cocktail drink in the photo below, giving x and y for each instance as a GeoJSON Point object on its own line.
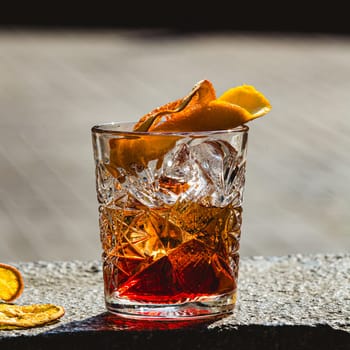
{"type": "Point", "coordinates": [170, 229]}
{"type": "Point", "coordinates": [170, 190]}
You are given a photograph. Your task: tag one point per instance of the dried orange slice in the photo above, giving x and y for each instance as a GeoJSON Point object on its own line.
{"type": "Point", "coordinates": [11, 283]}
{"type": "Point", "coordinates": [27, 316]}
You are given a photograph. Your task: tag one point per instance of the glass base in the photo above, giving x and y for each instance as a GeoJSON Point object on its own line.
{"type": "Point", "coordinates": [204, 307]}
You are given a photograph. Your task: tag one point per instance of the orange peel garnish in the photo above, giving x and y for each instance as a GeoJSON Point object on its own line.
{"type": "Point", "coordinates": [216, 115]}
{"type": "Point", "coordinates": [200, 110]}
{"type": "Point", "coordinates": [11, 283]}
{"type": "Point", "coordinates": [249, 98]}
{"type": "Point", "coordinates": [135, 153]}
{"type": "Point", "coordinates": [201, 94]}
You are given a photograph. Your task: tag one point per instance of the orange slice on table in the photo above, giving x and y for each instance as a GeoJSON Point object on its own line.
{"type": "Point", "coordinates": [11, 283]}
{"type": "Point", "coordinates": [22, 316]}
{"type": "Point", "coordinates": [28, 316]}
{"type": "Point", "coordinates": [200, 110]}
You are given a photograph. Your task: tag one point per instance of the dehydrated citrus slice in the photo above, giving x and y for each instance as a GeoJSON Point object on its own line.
{"type": "Point", "coordinates": [11, 283]}
{"type": "Point", "coordinates": [27, 316]}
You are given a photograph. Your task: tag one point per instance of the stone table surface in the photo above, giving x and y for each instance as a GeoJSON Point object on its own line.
{"type": "Point", "coordinates": [284, 302]}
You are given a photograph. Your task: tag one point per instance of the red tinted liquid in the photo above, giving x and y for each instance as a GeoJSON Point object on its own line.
{"type": "Point", "coordinates": [190, 271]}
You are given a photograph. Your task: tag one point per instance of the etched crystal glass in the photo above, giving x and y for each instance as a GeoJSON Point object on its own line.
{"type": "Point", "coordinates": [170, 223]}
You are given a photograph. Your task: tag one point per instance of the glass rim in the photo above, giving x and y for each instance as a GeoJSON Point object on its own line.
{"type": "Point", "coordinates": [106, 128]}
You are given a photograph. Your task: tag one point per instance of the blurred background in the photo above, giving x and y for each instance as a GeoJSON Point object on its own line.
{"type": "Point", "coordinates": [64, 69]}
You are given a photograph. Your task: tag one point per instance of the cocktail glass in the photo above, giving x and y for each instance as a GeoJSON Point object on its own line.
{"type": "Point", "coordinates": [170, 215]}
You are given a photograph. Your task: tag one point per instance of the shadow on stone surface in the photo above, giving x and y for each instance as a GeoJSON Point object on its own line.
{"type": "Point", "coordinates": [109, 322]}
{"type": "Point", "coordinates": [242, 337]}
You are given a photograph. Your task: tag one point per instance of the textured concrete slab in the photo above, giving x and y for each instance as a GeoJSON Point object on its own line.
{"type": "Point", "coordinates": [286, 302]}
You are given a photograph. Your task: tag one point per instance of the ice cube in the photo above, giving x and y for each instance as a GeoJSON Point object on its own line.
{"type": "Point", "coordinates": [224, 169]}
{"type": "Point", "coordinates": [207, 171]}
{"type": "Point", "coordinates": [181, 167]}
